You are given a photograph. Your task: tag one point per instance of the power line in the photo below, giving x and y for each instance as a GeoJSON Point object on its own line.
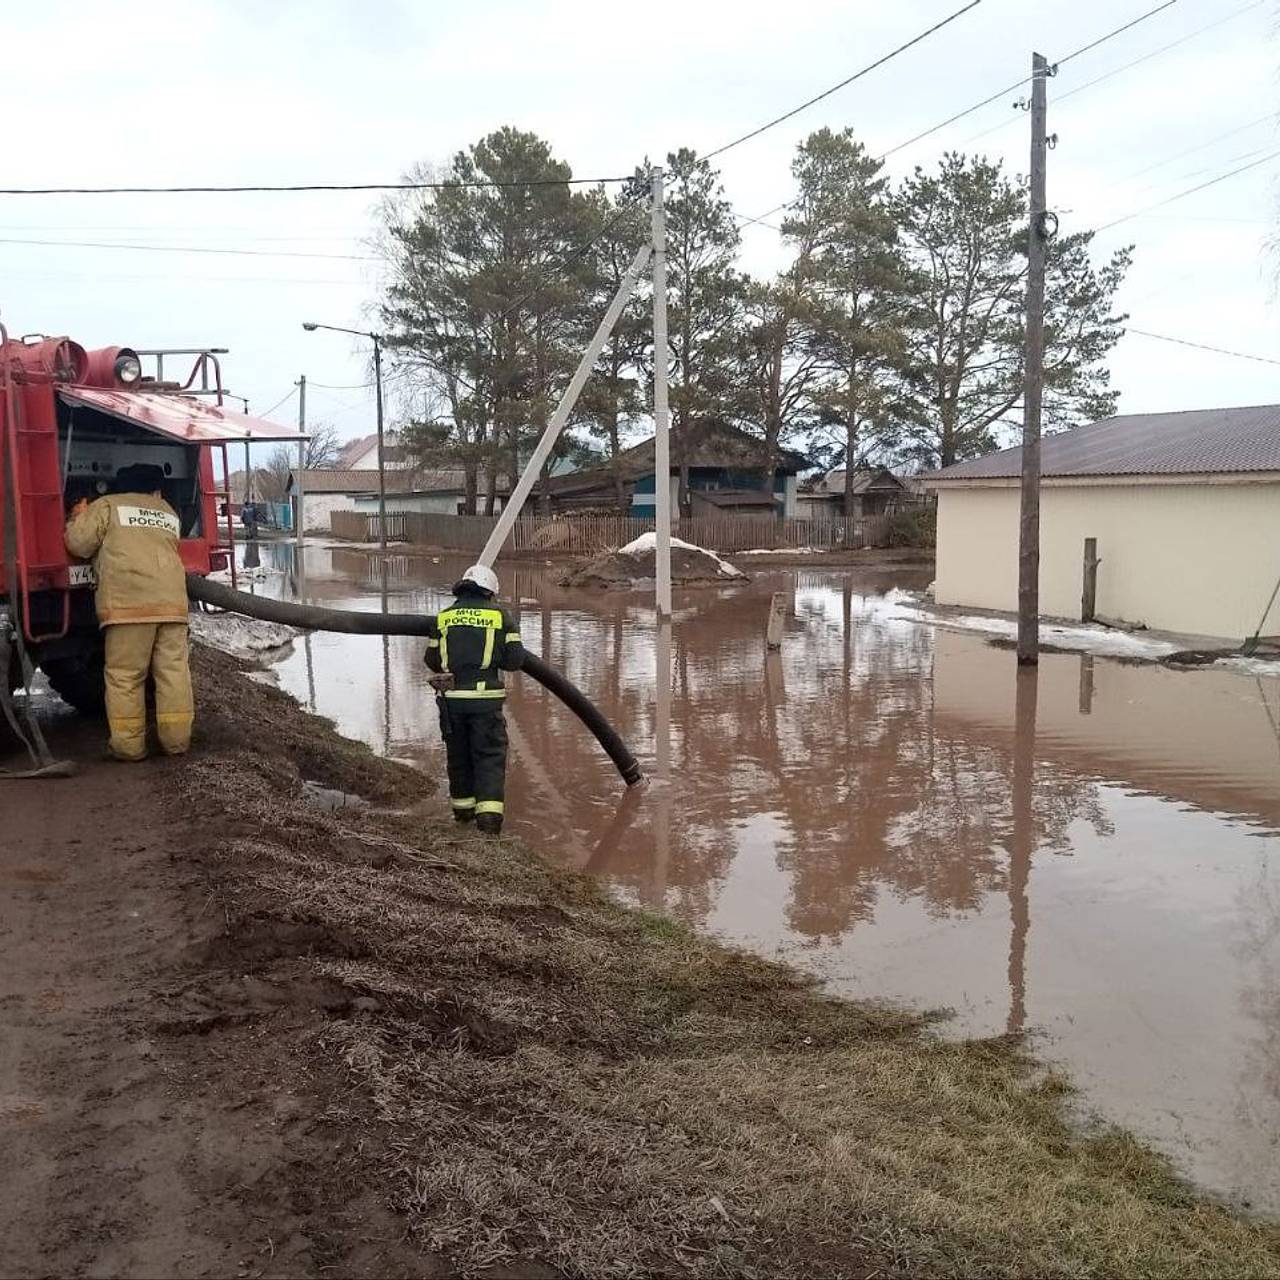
{"type": "Point", "coordinates": [173, 248]}
{"type": "Point", "coordinates": [1111, 35]}
{"type": "Point", "coordinates": [340, 386]}
{"type": "Point", "coordinates": [308, 186]}
{"type": "Point", "coordinates": [1017, 84]}
{"type": "Point", "coordinates": [987, 101]}
{"type": "Point", "coordinates": [1190, 191]}
{"type": "Point", "coordinates": [1202, 346]}
{"type": "Point", "coordinates": [857, 75]}
{"type": "Point", "coordinates": [1128, 66]}
{"type": "Point", "coordinates": [293, 391]}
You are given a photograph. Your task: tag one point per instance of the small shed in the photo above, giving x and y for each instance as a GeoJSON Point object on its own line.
{"type": "Point", "coordinates": [1184, 509]}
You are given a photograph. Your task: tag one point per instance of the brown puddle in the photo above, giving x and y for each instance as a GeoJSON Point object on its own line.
{"type": "Point", "coordinates": [1088, 854]}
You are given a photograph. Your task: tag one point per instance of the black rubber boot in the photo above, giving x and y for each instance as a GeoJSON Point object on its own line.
{"type": "Point", "coordinates": [463, 816]}
{"type": "Point", "coordinates": [489, 824]}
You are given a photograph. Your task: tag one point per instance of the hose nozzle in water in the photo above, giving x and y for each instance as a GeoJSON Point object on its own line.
{"type": "Point", "coordinates": [310, 617]}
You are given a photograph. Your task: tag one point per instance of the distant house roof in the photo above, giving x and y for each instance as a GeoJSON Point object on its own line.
{"type": "Point", "coordinates": [1191, 442]}
{"type": "Point", "coordinates": [708, 443]}
{"type": "Point", "coordinates": [337, 480]}
{"type": "Point", "coordinates": [354, 450]}
{"type": "Point", "coordinates": [831, 485]}
{"type": "Point", "coordinates": [393, 453]}
{"type": "Point", "coordinates": [423, 480]}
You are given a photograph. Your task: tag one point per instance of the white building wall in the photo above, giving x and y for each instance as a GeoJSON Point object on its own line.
{"type": "Point", "coordinates": [317, 507]}
{"type": "Point", "coordinates": [1200, 558]}
{"type": "Point", "coordinates": [433, 503]}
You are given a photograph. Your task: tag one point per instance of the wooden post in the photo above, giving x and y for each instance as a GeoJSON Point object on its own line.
{"type": "Point", "coordinates": [1086, 684]}
{"type": "Point", "coordinates": [777, 619]}
{"type": "Point", "coordinates": [1033, 379]}
{"type": "Point", "coordinates": [1089, 596]}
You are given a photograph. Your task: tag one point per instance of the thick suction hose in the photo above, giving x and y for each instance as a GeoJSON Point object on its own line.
{"type": "Point", "coordinates": [312, 617]}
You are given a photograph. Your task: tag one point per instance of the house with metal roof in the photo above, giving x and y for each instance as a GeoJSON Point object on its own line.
{"type": "Point", "coordinates": [1183, 508]}
{"type": "Point", "coordinates": [723, 464]}
{"type": "Point", "coordinates": [876, 491]}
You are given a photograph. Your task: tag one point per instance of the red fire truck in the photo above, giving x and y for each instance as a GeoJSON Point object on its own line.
{"type": "Point", "coordinates": [69, 420]}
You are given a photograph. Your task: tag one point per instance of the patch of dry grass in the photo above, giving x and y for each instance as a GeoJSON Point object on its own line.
{"type": "Point", "coordinates": [557, 1079]}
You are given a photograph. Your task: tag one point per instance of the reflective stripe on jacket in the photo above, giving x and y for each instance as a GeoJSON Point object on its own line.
{"type": "Point", "coordinates": [474, 640]}
{"type": "Point", "coordinates": [132, 539]}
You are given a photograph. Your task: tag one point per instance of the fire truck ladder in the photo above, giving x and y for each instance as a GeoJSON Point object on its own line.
{"type": "Point", "coordinates": [42, 459]}
{"type": "Point", "coordinates": [11, 626]}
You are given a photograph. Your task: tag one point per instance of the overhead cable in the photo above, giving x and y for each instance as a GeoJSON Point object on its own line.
{"type": "Point", "coordinates": [1190, 191]}
{"type": "Point", "coordinates": [307, 186]}
{"type": "Point", "coordinates": [1202, 346]}
{"type": "Point", "coordinates": [1017, 84]}
{"type": "Point", "coordinates": [186, 248]}
{"type": "Point", "coordinates": [857, 75]}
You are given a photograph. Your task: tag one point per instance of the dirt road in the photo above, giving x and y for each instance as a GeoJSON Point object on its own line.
{"type": "Point", "coordinates": [134, 1145]}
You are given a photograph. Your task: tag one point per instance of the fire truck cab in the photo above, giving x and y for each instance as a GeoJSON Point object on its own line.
{"type": "Point", "coordinates": [70, 419]}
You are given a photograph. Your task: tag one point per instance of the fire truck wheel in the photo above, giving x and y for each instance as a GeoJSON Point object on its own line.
{"type": "Point", "coordinates": [77, 677]}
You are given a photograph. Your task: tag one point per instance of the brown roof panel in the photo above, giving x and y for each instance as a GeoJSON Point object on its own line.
{"type": "Point", "coordinates": [1191, 442]}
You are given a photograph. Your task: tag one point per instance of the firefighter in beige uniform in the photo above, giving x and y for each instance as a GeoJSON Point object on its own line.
{"type": "Point", "coordinates": [132, 538]}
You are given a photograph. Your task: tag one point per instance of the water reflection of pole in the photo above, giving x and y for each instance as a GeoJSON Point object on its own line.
{"type": "Point", "coordinates": [1022, 842]}
{"type": "Point", "coordinates": [386, 667]}
{"type": "Point", "coordinates": [662, 763]}
{"type": "Point", "coordinates": [1086, 684]}
{"type": "Point", "coordinates": [311, 673]}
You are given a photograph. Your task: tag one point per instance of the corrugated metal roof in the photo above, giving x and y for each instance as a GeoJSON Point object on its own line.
{"type": "Point", "coordinates": [1192, 442]}
{"type": "Point", "coordinates": [335, 480]}
{"type": "Point", "coordinates": [734, 497]}
{"type": "Point", "coordinates": [179, 417]}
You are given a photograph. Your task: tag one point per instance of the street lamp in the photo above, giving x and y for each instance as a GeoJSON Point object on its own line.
{"type": "Point", "coordinates": [376, 338]}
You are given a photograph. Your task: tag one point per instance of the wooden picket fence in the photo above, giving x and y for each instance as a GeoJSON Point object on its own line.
{"type": "Point", "coordinates": [589, 535]}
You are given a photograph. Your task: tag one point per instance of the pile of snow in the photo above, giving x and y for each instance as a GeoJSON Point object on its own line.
{"type": "Point", "coordinates": [782, 551]}
{"type": "Point", "coordinates": [1082, 637]}
{"type": "Point", "coordinates": [260, 574]}
{"type": "Point", "coordinates": [240, 636]}
{"type": "Point", "coordinates": [647, 543]}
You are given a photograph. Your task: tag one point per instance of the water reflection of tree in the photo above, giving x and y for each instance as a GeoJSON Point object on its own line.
{"type": "Point", "coordinates": [838, 741]}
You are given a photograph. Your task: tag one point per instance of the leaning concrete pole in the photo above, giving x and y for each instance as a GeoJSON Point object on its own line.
{"type": "Point", "coordinates": [511, 512]}
{"type": "Point", "coordinates": [661, 410]}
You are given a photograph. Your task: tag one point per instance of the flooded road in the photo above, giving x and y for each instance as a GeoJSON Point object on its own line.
{"type": "Point", "coordinates": [1091, 854]}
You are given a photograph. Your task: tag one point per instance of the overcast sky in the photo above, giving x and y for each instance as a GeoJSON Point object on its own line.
{"type": "Point", "coordinates": [233, 91]}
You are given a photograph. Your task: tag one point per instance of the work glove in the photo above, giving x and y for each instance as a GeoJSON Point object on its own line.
{"type": "Point", "coordinates": [441, 683]}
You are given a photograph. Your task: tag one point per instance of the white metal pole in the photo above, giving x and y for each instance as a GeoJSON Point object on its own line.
{"type": "Point", "coordinates": [661, 411]}
{"type": "Point", "coordinates": [511, 512]}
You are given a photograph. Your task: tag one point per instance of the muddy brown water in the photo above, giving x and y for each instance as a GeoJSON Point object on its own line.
{"type": "Point", "coordinates": [1090, 854]}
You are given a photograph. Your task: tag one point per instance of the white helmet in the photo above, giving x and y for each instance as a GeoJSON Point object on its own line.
{"type": "Point", "coordinates": [483, 577]}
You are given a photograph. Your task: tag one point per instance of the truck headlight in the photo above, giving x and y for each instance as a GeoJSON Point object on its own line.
{"type": "Point", "coordinates": [128, 368]}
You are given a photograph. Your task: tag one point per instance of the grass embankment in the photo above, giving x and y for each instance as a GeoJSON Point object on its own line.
{"type": "Point", "coordinates": [540, 1076]}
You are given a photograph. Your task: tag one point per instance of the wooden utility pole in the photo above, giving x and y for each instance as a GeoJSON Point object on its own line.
{"type": "Point", "coordinates": [1033, 377]}
{"type": "Point", "coordinates": [1089, 590]}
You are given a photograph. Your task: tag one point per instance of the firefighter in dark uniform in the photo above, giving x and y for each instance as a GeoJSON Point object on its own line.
{"type": "Point", "coordinates": [472, 643]}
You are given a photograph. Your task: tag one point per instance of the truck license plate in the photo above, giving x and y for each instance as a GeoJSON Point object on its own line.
{"type": "Point", "coordinates": [82, 575]}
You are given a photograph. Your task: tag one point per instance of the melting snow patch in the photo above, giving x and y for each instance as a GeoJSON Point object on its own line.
{"type": "Point", "coordinates": [239, 636]}
{"type": "Point", "coordinates": [781, 551]}
{"type": "Point", "coordinates": [1086, 639]}
{"type": "Point", "coordinates": [648, 542]}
